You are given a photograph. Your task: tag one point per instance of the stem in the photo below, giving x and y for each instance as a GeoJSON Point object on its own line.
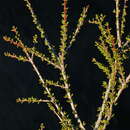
{"type": "Point", "coordinates": [64, 38]}
{"type": "Point", "coordinates": [123, 19]}
{"type": "Point", "coordinates": [109, 116]}
{"type": "Point", "coordinates": [114, 102]}
{"type": "Point", "coordinates": [65, 79]}
{"type": "Point", "coordinates": [97, 124]}
{"type": "Point", "coordinates": [79, 25]}
{"type": "Point", "coordinates": [118, 24]}
{"type": "Point", "coordinates": [122, 88]}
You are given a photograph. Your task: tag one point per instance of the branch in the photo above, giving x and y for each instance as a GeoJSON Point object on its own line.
{"type": "Point", "coordinates": [109, 116]}
{"type": "Point", "coordinates": [46, 88]}
{"type": "Point", "coordinates": [69, 96]}
{"type": "Point", "coordinates": [122, 88]}
{"type": "Point", "coordinates": [118, 23]}
{"type": "Point", "coordinates": [123, 19]}
{"type": "Point", "coordinates": [31, 100]}
{"type": "Point", "coordinates": [79, 25]}
{"type": "Point", "coordinates": [97, 124]}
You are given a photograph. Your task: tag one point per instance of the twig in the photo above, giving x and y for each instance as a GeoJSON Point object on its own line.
{"type": "Point", "coordinates": [40, 28]}
{"type": "Point", "coordinates": [109, 116]}
{"type": "Point", "coordinates": [79, 25]}
{"type": "Point", "coordinates": [118, 24]}
{"type": "Point", "coordinates": [103, 106]}
{"type": "Point", "coordinates": [123, 20]}
{"type": "Point", "coordinates": [122, 88]}
{"type": "Point", "coordinates": [32, 100]}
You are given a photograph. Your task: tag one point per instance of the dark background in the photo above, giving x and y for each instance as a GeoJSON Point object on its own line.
{"type": "Point", "coordinates": [18, 80]}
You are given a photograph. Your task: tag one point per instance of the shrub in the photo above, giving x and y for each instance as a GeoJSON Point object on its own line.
{"type": "Point", "coordinates": [113, 47]}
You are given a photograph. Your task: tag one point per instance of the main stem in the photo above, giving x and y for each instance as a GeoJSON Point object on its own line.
{"type": "Point", "coordinates": [123, 86]}
{"type": "Point", "coordinates": [65, 79]}
{"type": "Point", "coordinates": [97, 124]}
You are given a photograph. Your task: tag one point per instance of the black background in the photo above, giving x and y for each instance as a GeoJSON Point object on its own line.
{"type": "Point", "coordinates": [18, 80]}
